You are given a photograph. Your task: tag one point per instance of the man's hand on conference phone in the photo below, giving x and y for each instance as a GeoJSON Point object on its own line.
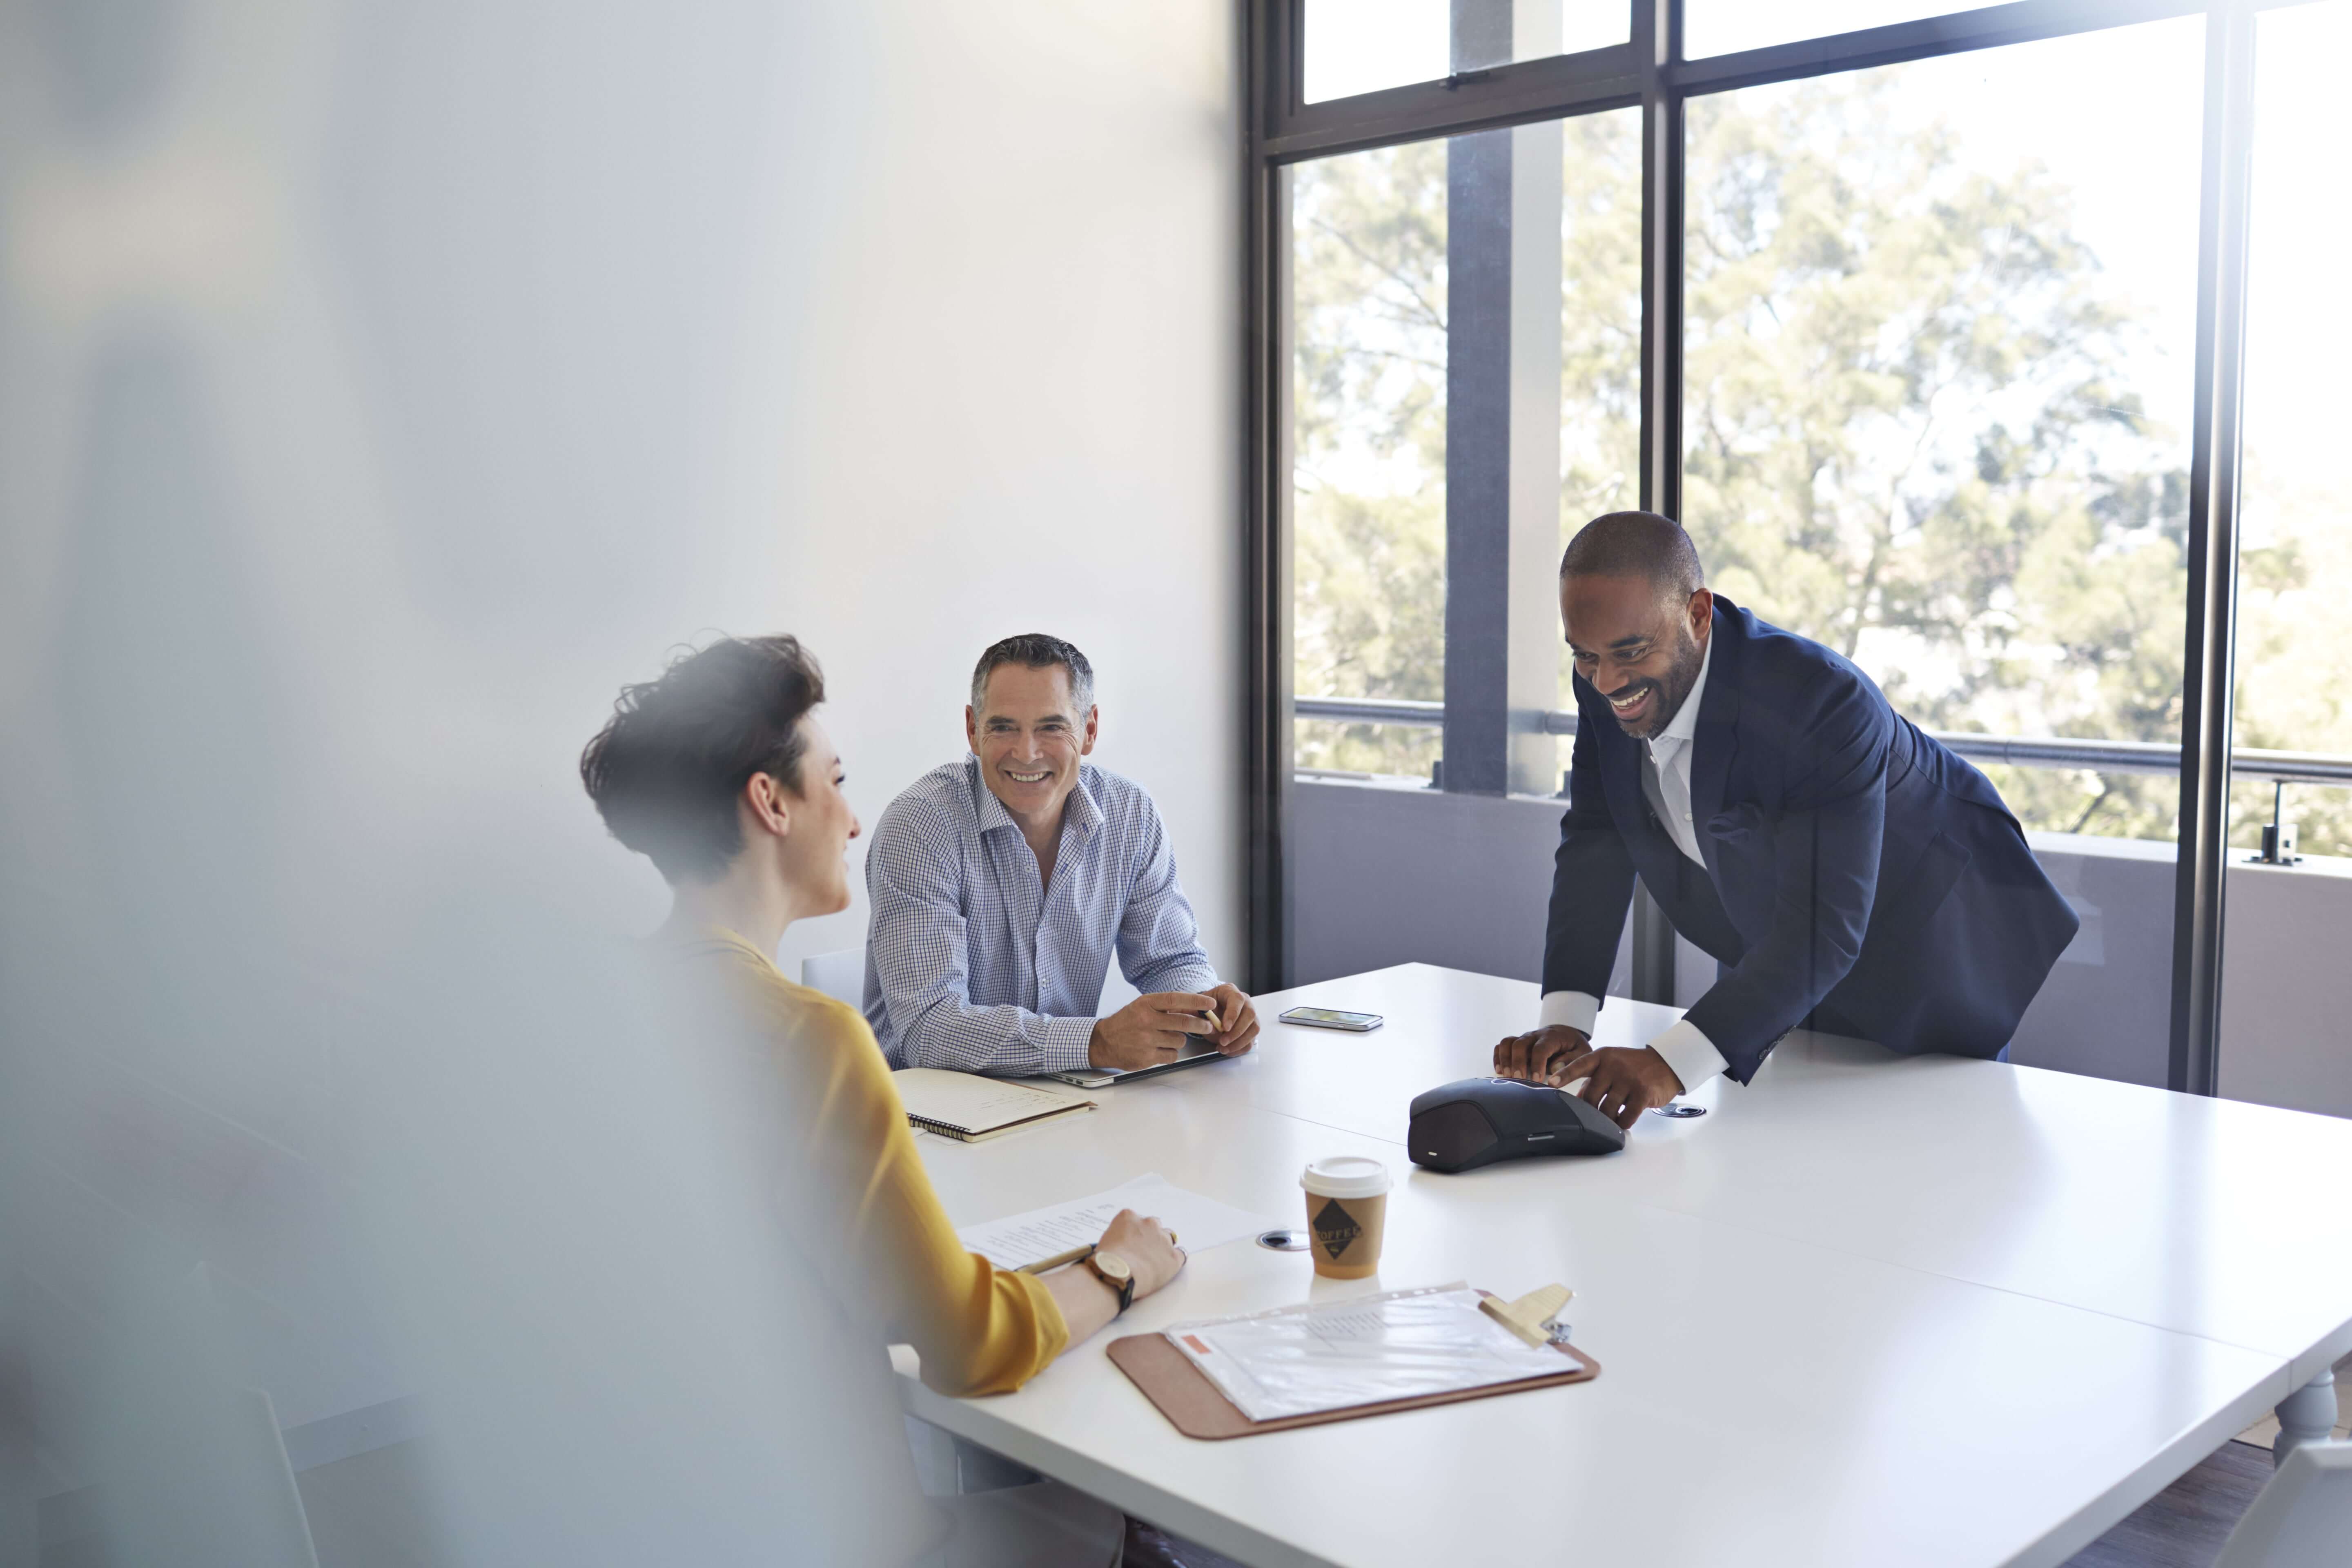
{"type": "Point", "coordinates": [1529, 1057]}
{"type": "Point", "coordinates": [1621, 1083]}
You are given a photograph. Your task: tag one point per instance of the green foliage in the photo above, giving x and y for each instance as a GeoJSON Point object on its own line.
{"type": "Point", "coordinates": [1909, 432]}
{"type": "Point", "coordinates": [1368, 560]}
{"type": "Point", "coordinates": [2294, 662]}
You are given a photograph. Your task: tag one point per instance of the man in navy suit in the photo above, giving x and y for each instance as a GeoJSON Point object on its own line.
{"type": "Point", "coordinates": [1849, 873]}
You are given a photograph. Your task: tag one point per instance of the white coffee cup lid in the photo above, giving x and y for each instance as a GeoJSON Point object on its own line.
{"type": "Point", "coordinates": [1346, 1176]}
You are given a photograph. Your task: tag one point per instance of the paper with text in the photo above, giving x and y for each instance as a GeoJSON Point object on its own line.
{"type": "Point", "coordinates": [1401, 1344]}
{"type": "Point", "coordinates": [1199, 1222]}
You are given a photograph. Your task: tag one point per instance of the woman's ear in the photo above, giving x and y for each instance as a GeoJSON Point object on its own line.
{"type": "Point", "coordinates": [767, 805]}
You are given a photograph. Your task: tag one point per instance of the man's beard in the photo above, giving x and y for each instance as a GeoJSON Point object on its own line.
{"type": "Point", "coordinates": [1674, 689]}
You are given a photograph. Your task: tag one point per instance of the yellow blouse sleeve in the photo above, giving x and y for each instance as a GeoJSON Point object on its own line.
{"type": "Point", "coordinates": [978, 1328]}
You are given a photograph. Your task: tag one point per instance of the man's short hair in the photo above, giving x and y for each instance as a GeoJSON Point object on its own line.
{"type": "Point", "coordinates": [1636, 544]}
{"type": "Point", "coordinates": [665, 771]}
{"type": "Point", "coordinates": [1035, 650]}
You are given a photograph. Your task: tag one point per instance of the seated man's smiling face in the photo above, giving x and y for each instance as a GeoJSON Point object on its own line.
{"type": "Point", "coordinates": [1029, 737]}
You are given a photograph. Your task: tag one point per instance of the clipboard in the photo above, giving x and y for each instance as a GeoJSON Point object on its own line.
{"type": "Point", "coordinates": [1198, 1408]}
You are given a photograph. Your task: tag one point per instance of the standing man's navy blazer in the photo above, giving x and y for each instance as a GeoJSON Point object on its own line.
{"type": "Point", "coordinates": [1857, 874]}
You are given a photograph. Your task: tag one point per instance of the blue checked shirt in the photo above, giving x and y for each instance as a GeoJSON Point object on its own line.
{"type": "Point", "coordinates": [973, 966]}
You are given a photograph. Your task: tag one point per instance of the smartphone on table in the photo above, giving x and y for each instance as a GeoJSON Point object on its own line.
{"type": "Point", "coordinates": [1333, 1018]}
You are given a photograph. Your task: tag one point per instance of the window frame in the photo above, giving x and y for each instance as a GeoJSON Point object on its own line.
{"type": "Point", "coordinates": [1649, 71]}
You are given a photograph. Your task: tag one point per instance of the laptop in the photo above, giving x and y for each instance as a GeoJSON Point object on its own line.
{"type": "Point", "coordinates": [1195, 1050]}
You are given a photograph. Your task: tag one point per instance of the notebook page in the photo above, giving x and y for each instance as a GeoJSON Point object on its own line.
{"type": "Point", "coordinates": [972, 1102]}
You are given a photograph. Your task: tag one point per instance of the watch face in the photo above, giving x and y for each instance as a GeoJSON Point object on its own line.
{"type": "Point", "coordinates": [1111, 1266]}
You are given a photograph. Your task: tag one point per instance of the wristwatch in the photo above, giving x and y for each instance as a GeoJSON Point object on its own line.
{"type": "Point", "coordinates": [1114, 1271]}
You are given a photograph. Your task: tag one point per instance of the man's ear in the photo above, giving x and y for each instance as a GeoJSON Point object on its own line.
{"type": "Point", "coordinates": [971, 730]}
{"type": "Point", "coordinates": [1088, 744]}
{"type": "Point", "coordinates": [767, 805]}
{"type": "Point", "coordinates": [1702, 613]}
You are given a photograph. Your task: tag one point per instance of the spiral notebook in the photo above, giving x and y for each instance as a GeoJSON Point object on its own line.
{"type": "Point", "coordinates": [970, 1108]}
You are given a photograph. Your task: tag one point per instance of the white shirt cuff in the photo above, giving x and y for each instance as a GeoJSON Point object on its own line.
{"type": "Point", "coordinates": [1688, 1053]}
{"type": "Point", "coordinates": [1569, 1009]}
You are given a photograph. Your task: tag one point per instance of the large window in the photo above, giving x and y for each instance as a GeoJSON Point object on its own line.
{"type": "Point", "coordinates": [1938, 359]}
{"type": "Point", "coordinates": [1355, 47]}
{"type": "Point", "coordinates": [2294, 650]}
{"type": "Point", "coordinates": [1368, 442]}
{"type": "Point", "coordinates": [1933, 324]}
{"type": "Point", "coordinates": [1373, 290]}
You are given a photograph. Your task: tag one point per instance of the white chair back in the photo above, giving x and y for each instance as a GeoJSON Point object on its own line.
{"type": "Point", "coordinates": [2303, 1517]}
{"type": "Point", "coordinates": [840, 974]}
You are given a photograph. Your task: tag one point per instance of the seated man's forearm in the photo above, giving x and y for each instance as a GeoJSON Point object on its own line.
{"type": "Point", "coordinates": [1006, 1041]}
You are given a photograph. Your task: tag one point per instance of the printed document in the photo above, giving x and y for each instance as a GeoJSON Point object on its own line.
{"type": "Point", "coordinates": [1198, 1223]}
{"type": "Point", "coordinates": [1404, 1344]}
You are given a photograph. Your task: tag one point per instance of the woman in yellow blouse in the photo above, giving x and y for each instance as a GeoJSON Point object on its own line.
{"type": "Point", "coordinates": [719, 773]}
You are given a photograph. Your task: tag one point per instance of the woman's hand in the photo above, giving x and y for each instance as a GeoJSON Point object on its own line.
{"type": "Point", "coordinates": [1148, 1247]}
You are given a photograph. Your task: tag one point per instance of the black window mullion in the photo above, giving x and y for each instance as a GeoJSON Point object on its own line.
{"type": "Point", "coordinates": [1657, 37]}
{"type": "Point", "coordinates": [2208, 668]}
{"type": "Point", "coordinates": [1270, 57]}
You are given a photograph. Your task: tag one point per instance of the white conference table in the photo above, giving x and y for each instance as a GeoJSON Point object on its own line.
{"type": "Point", "coordinates": [1870, 1308]}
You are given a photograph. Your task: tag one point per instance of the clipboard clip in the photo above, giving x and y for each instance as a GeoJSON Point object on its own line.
{"type": "Point", "coordinates": [1533, 1317]}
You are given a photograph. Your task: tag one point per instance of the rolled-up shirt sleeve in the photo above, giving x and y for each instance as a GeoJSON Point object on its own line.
{"type": "Point", "coordinates": [918, 947]}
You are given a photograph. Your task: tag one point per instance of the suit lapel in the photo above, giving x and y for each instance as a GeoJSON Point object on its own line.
{"type": "Point", "coordinates": [1715, 742]}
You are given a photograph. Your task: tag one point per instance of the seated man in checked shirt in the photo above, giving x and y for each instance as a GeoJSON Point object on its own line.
{"type": "Point", "coordinates": [1002, 885]}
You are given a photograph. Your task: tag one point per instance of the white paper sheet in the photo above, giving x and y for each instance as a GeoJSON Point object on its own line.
{"type": "Point", "coordinates": [1199, 1222]}
{"type": "Point", "coordinates": [1294, 1361]}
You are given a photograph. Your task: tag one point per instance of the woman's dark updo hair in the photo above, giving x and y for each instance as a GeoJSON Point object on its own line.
{"type": "Point", "coordinates": [667, 771]}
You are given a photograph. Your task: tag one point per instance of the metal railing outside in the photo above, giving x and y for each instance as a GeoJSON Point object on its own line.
{"type": "Point", "coordinates": [2105, 756]}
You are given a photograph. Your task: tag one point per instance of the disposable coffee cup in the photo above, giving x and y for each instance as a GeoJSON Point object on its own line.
{"type": "Point", "coordinates": [1347, 1207]}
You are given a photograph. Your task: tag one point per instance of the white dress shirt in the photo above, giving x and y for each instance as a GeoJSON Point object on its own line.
{"type": "Point", "coordinates": [1667, 781]}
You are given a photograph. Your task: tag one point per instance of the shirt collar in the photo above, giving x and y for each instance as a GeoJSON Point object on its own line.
{"type": "Point", "coordinates": [1079, 811]}
{"type": "Point", "coordinates": [1685, 720]}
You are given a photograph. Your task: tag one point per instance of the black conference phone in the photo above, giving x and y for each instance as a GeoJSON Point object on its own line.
{"type": "Point", "coordinates": [1480, 1120]}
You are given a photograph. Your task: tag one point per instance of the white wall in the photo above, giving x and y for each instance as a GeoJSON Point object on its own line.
{"type": "Point", "coordinates": [1021, 396]}
{"type": "Point", "coordinates": [383, 384]}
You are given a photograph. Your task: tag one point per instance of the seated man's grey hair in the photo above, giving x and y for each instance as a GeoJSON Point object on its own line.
{"type": "Point", "coordinates": [1636, 544]}
{"type": "Point", "coordinates": [1035, 650]}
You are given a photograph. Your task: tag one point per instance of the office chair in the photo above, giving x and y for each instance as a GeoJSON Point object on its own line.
{"type": "Point", "coordinates": [2303, 1516]}
{"type": "Point", "coordinates": [840, 973]}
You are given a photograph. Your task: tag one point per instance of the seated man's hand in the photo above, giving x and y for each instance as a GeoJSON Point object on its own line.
{"type": "Point", "coordinates": [1530, 1058]}
{"type": "Point", "coordinates": [1149, 1030]}
{"type": "Point", "coordinates": [1237, 1027]}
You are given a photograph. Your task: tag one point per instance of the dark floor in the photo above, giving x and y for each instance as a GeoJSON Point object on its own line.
{"type": "Point", "coordinates": [2181, 1527]}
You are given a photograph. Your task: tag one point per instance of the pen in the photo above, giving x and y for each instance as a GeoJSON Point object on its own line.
{"type": "Point", "coordinates": [1074, 1254]}
{"type": "Point", "coordinates": [1043, 1264]}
